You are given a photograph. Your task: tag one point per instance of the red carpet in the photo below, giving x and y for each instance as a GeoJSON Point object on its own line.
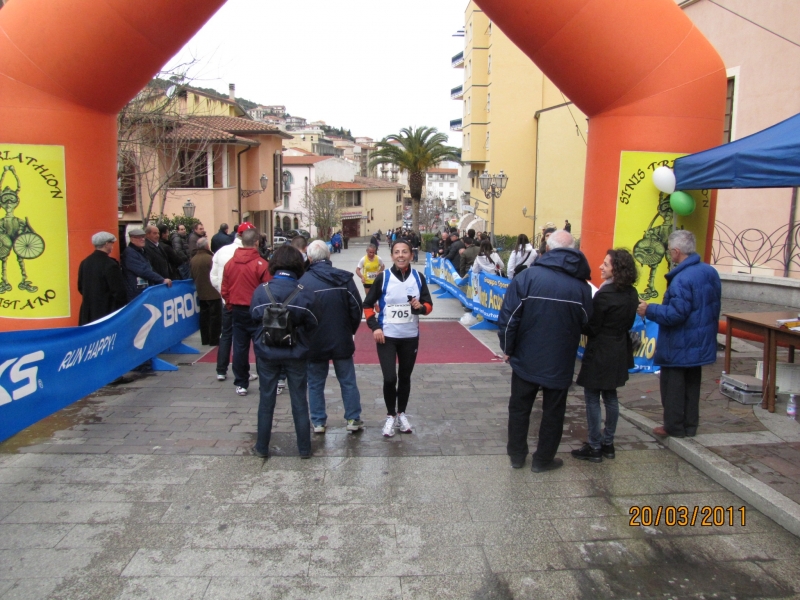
{"type": "Point", "coordinates": [440, 342]}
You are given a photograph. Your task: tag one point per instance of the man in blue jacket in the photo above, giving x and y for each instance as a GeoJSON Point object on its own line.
{"type": "Point", "coordinates": [540, 324]}
{"type": "Point", "coordinates": [137, 271]}
{"type": "Point", "coordinates": [688, 320]}
{"type": "Point", "coordinates": [337, 306]}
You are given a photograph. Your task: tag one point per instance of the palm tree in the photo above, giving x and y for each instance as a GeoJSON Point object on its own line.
{"type": "Point", "coordinates": [415, 149]}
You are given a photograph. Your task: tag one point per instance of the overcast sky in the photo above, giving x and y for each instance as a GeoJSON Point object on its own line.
{"type": "Point", "coordinates": [372, 67]}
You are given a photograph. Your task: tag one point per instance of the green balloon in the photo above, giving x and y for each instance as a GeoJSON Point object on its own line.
{"type": "Point", "coordinates": [681, 203]}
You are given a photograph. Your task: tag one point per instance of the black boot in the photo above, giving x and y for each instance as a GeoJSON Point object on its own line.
{"type": "Point", "coordinates": [586, 452]}
{"type": "Point", "coordinates": [607, 450]}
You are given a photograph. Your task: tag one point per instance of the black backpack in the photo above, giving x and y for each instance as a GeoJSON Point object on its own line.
{"type": "Point", "coordinates": [279, 331]}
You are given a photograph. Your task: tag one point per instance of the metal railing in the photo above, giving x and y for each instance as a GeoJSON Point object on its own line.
{"type": "Point", "coordinates": [458, 59]}
{"type": "Point", "coordinates": [455, 125]}
{"type": "Point", "coordinates": [753, 248]}
{"type": "Point", "coordinates": [457, 92]}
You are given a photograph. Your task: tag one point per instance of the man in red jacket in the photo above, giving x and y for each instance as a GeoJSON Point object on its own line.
{"type": "Point", "coordinates": [242, 275]}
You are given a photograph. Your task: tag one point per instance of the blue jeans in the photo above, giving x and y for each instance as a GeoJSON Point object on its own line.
{"type": "Point", "coordinates": [225, 342]}
{"type": "Point", "coordinates": [268, 373]}
{"type": "Point", "coordinates": [596, 438]}
{"type": "Point", "coordinates": [244, 331]}
{"type": "Point", "coordinates": [346, 374]}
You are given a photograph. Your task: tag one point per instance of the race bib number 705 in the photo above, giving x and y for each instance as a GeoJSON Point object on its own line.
{"type": "Point", "coordinates": [397, 313]}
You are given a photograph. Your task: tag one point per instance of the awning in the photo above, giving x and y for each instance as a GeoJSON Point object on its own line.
{"type": "Point", "coordinates": [767, 159]}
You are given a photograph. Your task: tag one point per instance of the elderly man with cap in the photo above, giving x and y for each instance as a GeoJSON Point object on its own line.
{"type": "Point", "coordinates": [221, 258]}
{"type": "Point", "coordinates": [137, 271]}
{"type": "Point", "coordinates": [100, 281]}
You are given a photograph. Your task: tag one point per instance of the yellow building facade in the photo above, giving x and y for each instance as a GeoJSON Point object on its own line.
{"type": "Point", "coordinates": [515, 120]}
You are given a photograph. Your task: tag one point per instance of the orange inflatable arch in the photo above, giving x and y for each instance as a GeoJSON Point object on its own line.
{"type": "Point", "coordinates": [645, 76]}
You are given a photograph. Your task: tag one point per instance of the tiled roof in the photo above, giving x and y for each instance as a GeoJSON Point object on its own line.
{"type": "Point", "coordinates": [360, 183]}
{"type": "Point", "coordinates": [304, 160]}
{"type": "Point", "coordinates": [444, 171]}
{"type": "Point", "coordinates": [301, 152]}
{"type": "Point", "coordinates": [192, 130]}
{"type": "Point", "coordinates": [241, 125]}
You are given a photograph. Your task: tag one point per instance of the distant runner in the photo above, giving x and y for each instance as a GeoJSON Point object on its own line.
{"type": "Point", "coordinates": [369, 267]}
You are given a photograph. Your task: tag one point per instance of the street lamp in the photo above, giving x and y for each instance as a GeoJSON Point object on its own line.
{"type": "Point", "coordinates": [264, 180]}
{"type": "Point", "coordinates": [493, 186]}
{"type": "Point", "coordinates": [188, 209]}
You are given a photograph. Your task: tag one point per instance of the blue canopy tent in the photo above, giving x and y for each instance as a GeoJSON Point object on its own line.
{"type": "Point", "coordinates": [767, 159]}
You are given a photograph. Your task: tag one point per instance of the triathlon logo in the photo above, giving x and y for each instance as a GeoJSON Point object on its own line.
{"type": "Point", "coordinates": [16, 235]}
{"type": "Point", "coordinates": [34, 255]}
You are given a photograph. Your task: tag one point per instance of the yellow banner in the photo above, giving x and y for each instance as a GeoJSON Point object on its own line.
{"type": "Point", "coordinates": [645, 219]}
{"type": "Point", "coordinates": [33, 232]}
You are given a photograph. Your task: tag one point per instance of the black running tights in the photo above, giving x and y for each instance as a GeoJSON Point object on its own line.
{"type": "Point", "coordinates": [397, 383]}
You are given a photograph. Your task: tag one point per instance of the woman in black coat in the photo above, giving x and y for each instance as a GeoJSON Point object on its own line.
{"type": "Point", "coordinates": [609, 353]}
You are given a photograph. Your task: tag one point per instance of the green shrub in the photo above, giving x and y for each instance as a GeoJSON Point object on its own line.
{"type": "Point", "coordinates": [175, 220]}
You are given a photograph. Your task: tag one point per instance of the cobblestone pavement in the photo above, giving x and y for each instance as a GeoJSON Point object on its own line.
{"type": "Point", "coordinates": [143, 491]}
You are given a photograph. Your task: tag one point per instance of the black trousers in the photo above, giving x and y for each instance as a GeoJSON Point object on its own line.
{"type": "Point", "coordinates": [225, 342]}
{"type": "Point", "coordinates": [680, 397]}
{"type": "Point", "coordinates": [397, 383]}
{"type": "Point", "coordinates": [210, 321]}
{"type": "Point", "coordinates": [520, 405]}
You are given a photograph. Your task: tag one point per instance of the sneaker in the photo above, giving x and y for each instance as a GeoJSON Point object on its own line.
{"type": "Point", "coordinates": [281, 386]}
{"type": "Point", "coordinates": [607, 450]}
{"type": "Point", "coordinates": [221, 376]}
{"type": "Point", "coordinates": [586, 452]}
{"type": "Point", "coordinates": [319, 428]}
{"type": "Point", "coordinates": [305, 456]}
{"type": "Point", "coordinates": [241, 391]}
{"type": "Point", "coordinates": [554, 464]}
{"type": "Point", "coordinates": [404, 426]}
{"type": "Point", "coordinates": [355, 424]}
{"type": "Point", "coordinates": [253, 376]}
{"type": "Point", "coordinates": [388, 427]}
{"type": "Point", "coordinates": [255, 452]}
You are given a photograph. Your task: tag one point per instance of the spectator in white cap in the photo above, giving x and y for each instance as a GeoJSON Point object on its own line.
{"type": "Point", "coordinates": [100, 281]}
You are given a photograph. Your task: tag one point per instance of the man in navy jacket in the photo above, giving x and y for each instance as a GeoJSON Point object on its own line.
{"type": "Point", "coordinates": [337, 306]}
{"type": "Point", "coordinates": [688, 320]}
{"type": "Point", "coordinates": [136, 269]}
{"type": "Point", "coordinates": [540, 324]}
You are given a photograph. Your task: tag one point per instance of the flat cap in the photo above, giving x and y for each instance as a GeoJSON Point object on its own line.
{"type": "Point", "coordinates": [136, 232]}
{"type": "Point", "coordinates": [101, 238]}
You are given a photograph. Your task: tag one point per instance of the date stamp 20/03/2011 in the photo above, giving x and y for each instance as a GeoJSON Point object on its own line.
{"type": "Point", "coordinates": [685, 516]}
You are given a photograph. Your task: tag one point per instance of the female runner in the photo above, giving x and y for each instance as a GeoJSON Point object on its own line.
{"type": "Point", "coordinates": [392, 308]}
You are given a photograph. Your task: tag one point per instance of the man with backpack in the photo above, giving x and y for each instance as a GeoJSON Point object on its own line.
{"type": "Point", "coordinates": [282, 310]}
{"type": "Point", "coordinates": [337, 306]}
{"type": "Point", "coordinates": [243, 273]}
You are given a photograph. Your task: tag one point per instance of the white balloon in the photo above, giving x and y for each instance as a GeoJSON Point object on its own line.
{"type": "Point", "coordinates": [664, 179]}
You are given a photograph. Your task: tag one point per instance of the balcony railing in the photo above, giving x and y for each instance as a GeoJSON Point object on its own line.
{"type": "Point", "coordinates": [457, 92]}
{"type": "Point", "coordinates": [458, 60]}
{"type": "Point", "coordinates": [455, 125]}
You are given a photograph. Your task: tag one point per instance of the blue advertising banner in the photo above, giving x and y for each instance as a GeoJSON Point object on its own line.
{"type": "Point", "coordinates": [491, 291]}
{"type": "Point", "coordinates": [643, 357]}
{"type": "Point", "coordinates": [43, 371]}
{"type": "Point", "coordinates": [445, 275]}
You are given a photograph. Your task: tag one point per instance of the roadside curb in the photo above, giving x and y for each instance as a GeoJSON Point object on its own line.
{"type": "Point", "coordinates": [775, 505]}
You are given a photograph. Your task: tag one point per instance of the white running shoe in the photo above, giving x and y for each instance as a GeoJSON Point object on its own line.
{"type": "Point", "coordinates": [221, 376]}
{"type": "Point", "coordinates": [404, 426]}
{"type": "Point", "coordinates": [253, 376]}
{"type": "Point", "coordinates": [281, 386]}
{"type": "Point", "coordinates": [241, 391]}
{"type": "Point", "coordinates": [388, 427]}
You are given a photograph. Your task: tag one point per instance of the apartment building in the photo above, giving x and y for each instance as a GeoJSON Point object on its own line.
{"type": "Point", "coordinates": [516, 121]}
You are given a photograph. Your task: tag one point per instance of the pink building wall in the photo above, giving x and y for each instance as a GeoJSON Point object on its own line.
{"type": "Point", "coordinates": [767, 72]}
